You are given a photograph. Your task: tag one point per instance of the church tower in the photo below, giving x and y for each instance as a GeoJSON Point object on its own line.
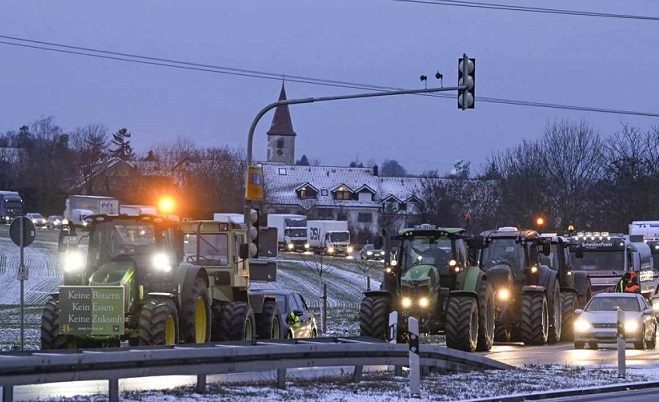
{"type": "Point", "coordinates": [281, 137]}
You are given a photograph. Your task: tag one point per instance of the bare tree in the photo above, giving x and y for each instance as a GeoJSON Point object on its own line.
{"type": "Point", "coordinates": [90, 146]}
{"type": "Point", "coordinates": [321, 264]}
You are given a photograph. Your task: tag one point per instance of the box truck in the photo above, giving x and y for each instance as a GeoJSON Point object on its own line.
{"type": "Point", "coordinates": [77, 207]}
{"type": "Point", "coordinates": [329, 237]}
{"type": "Point", "coordinates": [291, 231]}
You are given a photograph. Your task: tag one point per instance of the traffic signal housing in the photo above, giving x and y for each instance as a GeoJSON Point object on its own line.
{"type": "Point", "coordinates": [467, 77]}
{"type": "Point", "coordinates": [253, 233]}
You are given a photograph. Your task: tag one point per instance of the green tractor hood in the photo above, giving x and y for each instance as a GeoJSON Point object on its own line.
{"type": "Point", "coordinates": [117, 273]}
{"type": "Point", "coordinates": [419, 273]}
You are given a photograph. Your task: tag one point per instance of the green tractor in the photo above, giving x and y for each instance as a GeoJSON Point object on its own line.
{"type": "Point", "coordinates": [133, 285]}
{"type": "Point", "coordinates": [431, 279]}
{"type": "Point", "coordinates": [575, 285]}
{"type": "Point", "coordinates": [528, 294]}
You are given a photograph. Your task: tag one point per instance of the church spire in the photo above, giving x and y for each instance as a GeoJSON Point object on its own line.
{"type": "Point", "coordinates": [281, 122]}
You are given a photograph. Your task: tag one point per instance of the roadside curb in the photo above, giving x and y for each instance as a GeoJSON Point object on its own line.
{"type": "Point", "coordinates": [570, 392]}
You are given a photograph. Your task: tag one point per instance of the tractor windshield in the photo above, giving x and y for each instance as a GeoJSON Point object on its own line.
{"type": "Point", "coordinates": [207, 248]}
{"type": "Point", "coordinates": [112, 239]}
{"type": "Point", "coordinates": [426, 250]}
{"type": "Point", "coordinates": [504, 251]}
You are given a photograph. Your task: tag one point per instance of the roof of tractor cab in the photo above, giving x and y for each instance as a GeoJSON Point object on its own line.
{"type": "Point", "coordinates": [209, 226]}
{"type": "Point", "coordinates": [438, 232]}
{"type": "Point", "coordinates": [95, 219]}
{"type": "Point", "coordinates": [510, 232]}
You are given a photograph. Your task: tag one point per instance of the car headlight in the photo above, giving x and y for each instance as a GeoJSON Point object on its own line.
{"type": "Point", "coordinates": [631, 326]}
{"type": "Point", "coordinates": [534, 269]}
{"type": "Point", "coordinates": [34, 221]}
{"type": "Point", "coordinates": [73, 261]}
{"type": "Point", "coordinates": [161, 261]}
{"type": "Point", "coordinates": [84, 223]}
{"type": "Point", "coordinates": [503, 294]}
{"type": "Point", "coordinates": [424, 302]}
{"type": "Point", "coordinates": [394, 263]}
{"type": "Point", "coordinates": [581, 325]}
{"type": "Point", "coordinates": [306, 246]}
{"type": "Point", "coordinates": [330, 250]}
{"type": "Point", "coordinates": [350, 249]}
{"type": "Point", "coordinates": [290, 246]}
{"type": "Point", "coordinates": [406, 302]}
{"type": "Point", "coordinates": [369, 253]}
{"type": "Point", "coordinates": [65, 221]}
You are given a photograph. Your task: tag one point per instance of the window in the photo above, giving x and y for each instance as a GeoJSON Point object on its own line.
{"type": "Point", "coordinates": [282, 171]}
{"type": "Point", "coordinates": [306, 193]}
{"type": "Point", "coordinates": [343, 195]}
{"type": "Point", "coordinates": [365, 217]}
{"type": "Point", "coordinates": [324, 192]}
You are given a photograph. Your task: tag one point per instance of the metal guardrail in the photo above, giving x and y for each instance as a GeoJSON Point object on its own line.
{"type": "Point", "coordinates": [39, 367]}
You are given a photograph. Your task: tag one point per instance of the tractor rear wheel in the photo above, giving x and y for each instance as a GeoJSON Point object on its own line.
{"type": "Point", "coordinates": [462, 323]}
{"type": "Point", "coordinates": [555, 314]}
{"type": "Point", "coordinates": [196, 314]}
{"type": "Point", "coordinates": [268, 323]}
{"type": "Point", "coordinates": [374, 317]}
{"type": "Point", "coordinates": [485, 316]}
{"type": "Point", "coordinates": [158, 323]}
{"type": "Point", "coordinates": [502, 333]}
{"type": "Point", "coordinates": [534, 323]}
{"type": "Point", "coordinates": [236, 322]}
{"type": "Point", "coordinates": [568, 304]}
{"type": "Point", "coordinates": [50, 336]}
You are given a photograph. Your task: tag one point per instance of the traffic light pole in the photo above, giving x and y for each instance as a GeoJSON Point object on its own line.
{"type": "Point", "coordinates": [262, 112]}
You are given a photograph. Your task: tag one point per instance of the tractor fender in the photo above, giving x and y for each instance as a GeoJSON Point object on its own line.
{"type": "Point", "coordinates": [378, 293]}
{"type": "Point", "coordinates": [470, 279]}
{"type": "Point", "coordinates": [463, 293]}
{"type": "Point", "coordinates": [533, 289]}
{"type": "Point", "coordinates": [163, 295]}
{"type": "Point", "coordinates": [186, 275]}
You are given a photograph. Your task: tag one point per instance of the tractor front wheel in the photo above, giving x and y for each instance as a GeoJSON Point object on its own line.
{"type": "Point", "coordinates": [534, 324]}
{"type": "Point", "coordinates": [236, 322]}
{"type": "Point", "coordinates": [158, 323]}
{"type": "Point", "coordinates": [462, 323]}
{"type": "Point", "coordinates": [268, 323]}
{"type": "Point", "coordinates": [555, 314]}
{"type": "Point", "coordinates": [374, 317]}
{"type": "Point", "coordinates": [196, 313]}
{"type": "Point", "coordinates": [50, 333]}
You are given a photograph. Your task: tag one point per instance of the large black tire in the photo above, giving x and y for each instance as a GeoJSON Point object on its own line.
{"type": "Point", "coordinates": [268, 323]}
{"type": "Point", "coordinates": [485, 316]}
{"type": "Point", "coordinates": [196, 314]}
{"type": "Point", "coordinates": [652, 344]}
{"type": "Point", "coordinates": [50, 336]}
{"type": "Point", "coordinates": [568, 304]}
{"type": "Point", "coordinates": [462, 323]}
{"type": "Point", "coordinates": [555, 313]}
{"type": "Point", "coordinates": [374, 317]}
{"type": "Point", "coordinates": [237, 322]}
{"type": "Point", "coordinates": [158, 323]}
{"type": "Point", "coordinates": [534, 321]}
{"type": "Point", "coordinates": [583, 287]}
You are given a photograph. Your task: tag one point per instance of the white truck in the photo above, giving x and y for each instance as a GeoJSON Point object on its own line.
{"type": "Point", "coordinates": [329, 237]}
{"type": "Point", "coordinates": [229, 217]}
{"type": "Point", "coordinates": [291, 231]}
{"type": "Point", "coordinates": [77, 207]}
{"type": "Point", "coordinates": [135, 210]}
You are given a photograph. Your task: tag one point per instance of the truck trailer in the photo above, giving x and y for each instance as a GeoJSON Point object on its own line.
{"type": "Point", "coordinates": [329, 237]}
{"type": "Point", "coordinates": [77, 207]}
{"type": "Point", "coordinates": [291, 231]}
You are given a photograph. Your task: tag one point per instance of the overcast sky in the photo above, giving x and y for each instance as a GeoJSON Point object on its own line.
{"type": "Point", "coordinates": [607, 63]}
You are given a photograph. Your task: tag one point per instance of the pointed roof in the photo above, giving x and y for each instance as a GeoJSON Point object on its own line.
{"type": "Point", "coordinates": [281, 122]}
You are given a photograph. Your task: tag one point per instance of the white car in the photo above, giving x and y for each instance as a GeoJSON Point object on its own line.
{"type": "Point", "coordinates": [597, 322]}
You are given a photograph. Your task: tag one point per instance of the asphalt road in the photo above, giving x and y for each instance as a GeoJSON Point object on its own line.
{"type": "Point", "coordinates": [640, 395]}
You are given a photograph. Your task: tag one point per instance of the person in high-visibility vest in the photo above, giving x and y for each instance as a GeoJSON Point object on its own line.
{"type": "Point", "coordinates": [633, 286]}
{"type": "Point", "coordinates": [622, 283]}
{"type": "Point", "coordinates": [293, 320]}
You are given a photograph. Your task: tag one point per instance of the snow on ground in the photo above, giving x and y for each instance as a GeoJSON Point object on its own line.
{"type": "Point", "coordinates": [383, 386]}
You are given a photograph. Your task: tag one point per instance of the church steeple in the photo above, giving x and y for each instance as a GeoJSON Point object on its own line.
{"type": "Point", "coordinates": [281, 137]}
{"type": "Point", "coordinates": [281, 122]}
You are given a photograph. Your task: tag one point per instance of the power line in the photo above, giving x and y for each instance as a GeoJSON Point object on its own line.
{"type": "Point", "coordinates": [184, 65]}
{"type": "Point", "coordinates": [537, 10]}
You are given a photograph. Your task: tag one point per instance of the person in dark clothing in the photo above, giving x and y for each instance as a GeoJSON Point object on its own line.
{"type": "Point", "coordinates": [632, 285]}
{"type": "Point", "coordinates": [622, 283]}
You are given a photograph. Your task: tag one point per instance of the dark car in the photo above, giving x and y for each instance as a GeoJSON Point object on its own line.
{"type": "Point", "coordinates": [36, 218]}
{"type": "Point", "coordinates": [369, 252]}
{"type": "Point", "coordinates": [54, 222]}
{"type": "Point", "coordinates": [291, 301]}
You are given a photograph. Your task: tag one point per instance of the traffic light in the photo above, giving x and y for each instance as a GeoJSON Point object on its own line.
{"type": "Point", "coordinates": [467, 97]}
{"type": "Point", "coordinates": [253, 233]}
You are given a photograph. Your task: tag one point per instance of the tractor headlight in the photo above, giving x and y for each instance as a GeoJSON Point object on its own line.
{"type": "Point", "coordinates": [161, 261]}
{"type": "Point", "coordinates": [73, 261]}
{"type": "Point", "coordinates": [290, 246]}
{"type": "Point", "coordinates": [65, 221]}
{"type": "Point", "coordinates": [350, 249]}
{"type": "Point", "coordinates": [534, 269]}
{"type": "Point", "coordinates": [424, 302]}
{"type": "Point", "coordinates": [406, 302]}
{"type": "Point", "coordinates": [503, 294]}
{"type": "Point", "coordinates": [388, 270]}
{"type": "Point", "coordinates": [581, 325]}
{"type": "Point", "coordinates": [330, 250]}
{"type": "Point", "coordinates": [306, 246]}
{"type": "Point", "coordinates": [631, 326]}
{"type": "Point", "coordinates": [452, 263]}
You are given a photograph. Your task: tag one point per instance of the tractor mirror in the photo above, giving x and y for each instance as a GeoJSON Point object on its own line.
{"type": "Point", "coordinates": [243, 251]}
{"type": "Point", "coordinates": [377, 242]}
{"type": "Point", "coordinates": [298, 312]}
